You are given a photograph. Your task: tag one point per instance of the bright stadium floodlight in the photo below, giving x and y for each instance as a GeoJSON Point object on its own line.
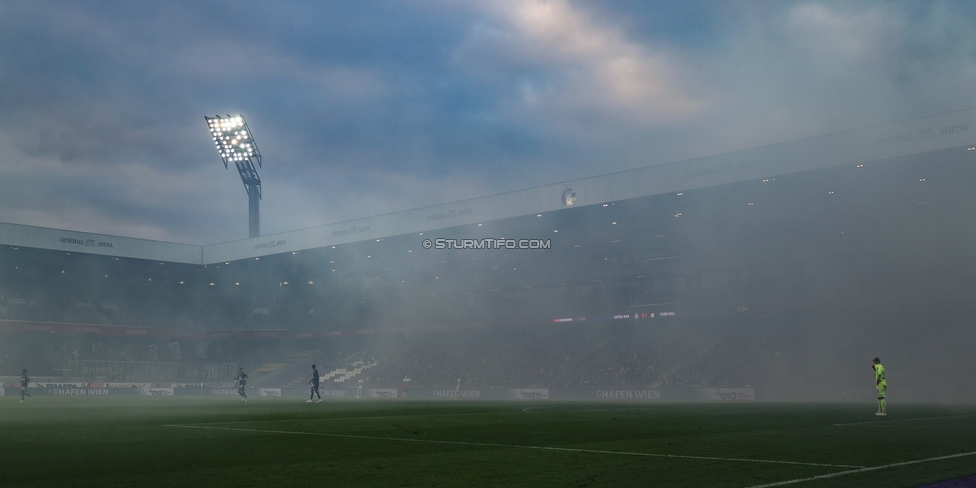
{"type": "Point", "coordinates": [234, 143]}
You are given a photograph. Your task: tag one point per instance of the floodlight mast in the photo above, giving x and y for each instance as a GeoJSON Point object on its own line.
{"type": "Point", "coordinates": [235, 143]}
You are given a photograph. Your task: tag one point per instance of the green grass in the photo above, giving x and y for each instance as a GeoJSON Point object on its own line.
{"type": "Point", "coordinates": [144, 441]}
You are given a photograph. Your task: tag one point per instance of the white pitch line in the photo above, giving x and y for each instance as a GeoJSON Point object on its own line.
{"type": "Point", "coordinates": [883, 422]}
{"type": "Point", "coordinates": [372, 417]}
{"type": "Point", "coordinates": [864, 470]}
{"type": "Point", "coordinates": [512, 446]}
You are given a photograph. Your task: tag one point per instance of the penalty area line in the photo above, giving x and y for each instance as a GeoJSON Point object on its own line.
{"type": "Point", "coordinates": [864, 470]}
{"type": "Point", "coordinates": [511, 446]}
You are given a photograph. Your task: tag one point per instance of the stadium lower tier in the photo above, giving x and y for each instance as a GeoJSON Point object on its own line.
{"type": "Point", "coordinates": [820, 349]}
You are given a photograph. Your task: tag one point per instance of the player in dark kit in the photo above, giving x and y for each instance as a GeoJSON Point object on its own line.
{"type": "Point", "coordinates": [314, 390]}
{"type": "Point", "coordinates": [241, 381]}
{"type": "Point", "coordinates": [24, 379]}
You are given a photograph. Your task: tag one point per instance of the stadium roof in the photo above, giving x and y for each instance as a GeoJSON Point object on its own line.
{"type": "Point", "coordinates": [915, 136]}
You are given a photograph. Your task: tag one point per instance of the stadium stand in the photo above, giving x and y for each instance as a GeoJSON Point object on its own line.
{"type": "Point", "coordinates": [759, 271]}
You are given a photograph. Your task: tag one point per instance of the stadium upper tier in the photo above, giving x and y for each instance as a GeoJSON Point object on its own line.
{"type": "Point", "coordinates": [872, 217]}
{"type": "Point", "coordinates": [918, 136]}
{"type": "Point", "coordinates": [801, 259]}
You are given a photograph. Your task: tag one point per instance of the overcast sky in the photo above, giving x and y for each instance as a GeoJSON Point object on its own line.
{"type": "Point", "coordinates": [367, 107]}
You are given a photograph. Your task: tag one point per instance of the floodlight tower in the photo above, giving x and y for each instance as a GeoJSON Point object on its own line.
{"type": "Point", "coordinates": [234, 143]}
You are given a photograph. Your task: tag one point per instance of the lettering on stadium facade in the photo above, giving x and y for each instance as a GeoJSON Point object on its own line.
{"type": "Point", "coordinates": [450, 214]}
{"type": "Point", "coordinates": [85, 242]}
{"type": "Point", "coordinates": [921, 134]}
{"type": "Point", "coordinates": [356, 229]}
{"type": "Point", "coordinates": [270, 244]}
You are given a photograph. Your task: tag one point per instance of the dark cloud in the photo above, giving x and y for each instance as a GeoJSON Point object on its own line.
{"type": "Point", "coordinates": [363, 108]}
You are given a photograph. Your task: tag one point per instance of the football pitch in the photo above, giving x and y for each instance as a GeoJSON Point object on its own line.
{"type": "Point", "coordinates": [219, 441]}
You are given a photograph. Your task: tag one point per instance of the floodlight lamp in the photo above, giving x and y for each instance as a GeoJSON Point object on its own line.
{"type": "Point", "coordinates": [234, 143]}
{"type": "Point", "coordinates": [233, 139]}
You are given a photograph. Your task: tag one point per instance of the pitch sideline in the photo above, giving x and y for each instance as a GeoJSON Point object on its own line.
{"type": "Point", "coordinates": [883, 422]}
{"type": "Point", "coordinates": [864, 470]}
{"type": "Point", "coordinates": [512, 446]}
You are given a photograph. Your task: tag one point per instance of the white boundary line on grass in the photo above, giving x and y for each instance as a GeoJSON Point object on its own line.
{"type": "Point", "coordinates": [883, 422]}
{"type": "Point", "coordinates": [864, 470]}
{"type": "Point", "coordinates": [511, 446]}
{"type": "Point", "coordinates": [368, 417]}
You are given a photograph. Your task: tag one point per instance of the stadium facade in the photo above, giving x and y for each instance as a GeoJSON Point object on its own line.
{"type": "Point", "coordinates": [782, 266]}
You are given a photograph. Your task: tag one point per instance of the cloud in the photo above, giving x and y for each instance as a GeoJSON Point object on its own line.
{"type": "Point", "coordinates": [562, 64]}
{"type": "Point", "coordinates": [104, 126]}
{"type": "Point", "coordinates": [230, 61]}
{"type": "Point", "coordinates": [811, 68]}
{"type": "Point", "coordinates": [365, 108]}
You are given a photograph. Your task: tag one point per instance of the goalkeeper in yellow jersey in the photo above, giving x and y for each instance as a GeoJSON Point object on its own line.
{"type": "Point", "coordinates": [882, 385]}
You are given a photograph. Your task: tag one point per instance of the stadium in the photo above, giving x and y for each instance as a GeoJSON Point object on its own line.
{"type": "Point", "coordinates": [760, 281]}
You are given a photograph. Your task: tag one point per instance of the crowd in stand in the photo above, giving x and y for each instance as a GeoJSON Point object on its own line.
{"type": "Point", "coordinates": [127, 349]}
{"type": "Point", "coordinates": [685, 353]}
{"type": "Point", "coordinates": [568, 357]}
{"type": "Point", "coordinates": [48, 354]}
